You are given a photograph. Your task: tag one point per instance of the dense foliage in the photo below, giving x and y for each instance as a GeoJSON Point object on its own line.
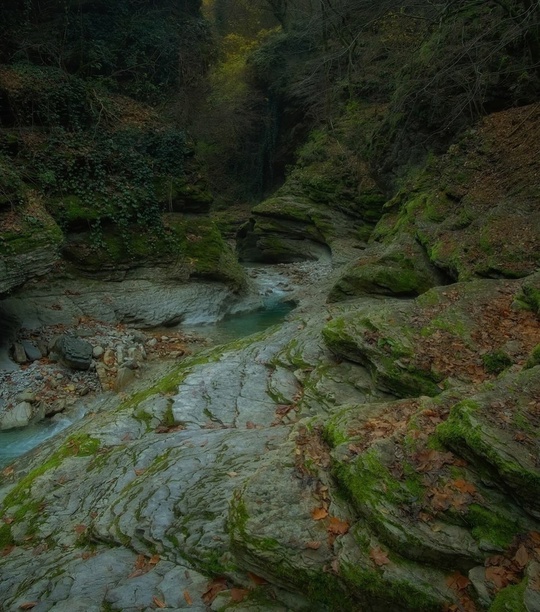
{"type": "Point", "coordinates": [80, 86]}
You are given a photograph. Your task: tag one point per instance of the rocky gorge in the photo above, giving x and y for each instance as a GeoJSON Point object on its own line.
{"type": "Point", "coordinates": [269, 306]}
{"type": "Point", "coordinates": [375, 451]}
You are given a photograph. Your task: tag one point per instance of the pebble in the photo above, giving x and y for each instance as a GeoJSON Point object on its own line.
{"type": "Point", "coordinates": [97, 351]}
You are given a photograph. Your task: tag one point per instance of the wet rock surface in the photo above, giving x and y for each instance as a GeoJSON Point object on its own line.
{"type": "Point", "coordinates": [282, 471]}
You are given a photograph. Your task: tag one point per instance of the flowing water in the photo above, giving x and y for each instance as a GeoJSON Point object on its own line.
{"type": "Point", "coordinates": [273, 290]}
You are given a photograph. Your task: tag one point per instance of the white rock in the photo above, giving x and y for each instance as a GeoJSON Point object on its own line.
{"type": "Point", "coordinates": [19, 416]}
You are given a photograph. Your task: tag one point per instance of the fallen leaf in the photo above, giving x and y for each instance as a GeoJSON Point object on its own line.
{"type": "Point", "coordinates": [238, 595]}
{"type": "Point", "coordinates": [154, 560]}
{"type": "Point", "coordinates": [338, 527]}
{"type": "Point", "coordinates": [250, 425]}
{"type": "Point", "coordinates": [7, 550]}
{"type": "Point", "coordinates": [139, 472]}
{"type": "Point", "coordinates": [213, 588]}
{"type": "Point", "coordinates": [464, 486]}
{"type": "Point", "coordinates": [458, 581]}
{"type": "Point", "coordinates": [313, 545]}
{"type": "Point", "coordinates": [159, 602]}
{"type": "Point", "coordinates": [7, 471]}
{"type": "Point", "coordinates": [257, 579]}
{"type": "Point", "coordinates": [28, 605]}
{"type": "Point", "coordinates": [379, 556]}
{"type": "Point", "coordinates": [188, 599]}
{"type": "Point", "coordinates": [521, 557]}
{"type": "Point", "coordinates": [87, 555]}
{"type": "Point", "coordinates": [318, 514]}
{"type": "Point", "coordinates": [8, 520]}
{"type": "Point", "coordinates": [498, 576]}
{"type": "Point", "coordinates": [80, 529]}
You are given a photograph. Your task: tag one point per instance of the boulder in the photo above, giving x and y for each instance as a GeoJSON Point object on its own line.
{"type": "Point", "coordinates": [31, 350]}
{"type": "Point", "coordinates": [74, 352]}
{"type": "Point", "coordinates": [19, 416]}
{"type": "Point", "coordinates": [19, 354]}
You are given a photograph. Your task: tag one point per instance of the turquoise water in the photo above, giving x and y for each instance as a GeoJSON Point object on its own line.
{"type": "Point", "coordinates": [16, 442]}
{"type": "Point", "coordinates": [245, 324]}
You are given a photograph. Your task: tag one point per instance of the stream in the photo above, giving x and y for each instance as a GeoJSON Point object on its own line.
{"type": "Point", "coordinates": [271, 286]}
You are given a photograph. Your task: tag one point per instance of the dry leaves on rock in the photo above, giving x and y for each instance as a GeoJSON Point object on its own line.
{"type": "Point", "coordinates": [213, 588]}
{"type": "Point", "coordinates": [379, 556]}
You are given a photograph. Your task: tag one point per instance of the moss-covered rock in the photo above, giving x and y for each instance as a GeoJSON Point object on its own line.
{"type": "Point", "coordinates": [29, 242]}
{"type": "Point", "coordinates": [499, 427]}
{"type": "Point", "coordinates": [474, 209]}
{"type": "Point", "coordinates": [191, 247]}
{"type": "Point", "coordinates": [437, 340]}
{"type": "Point", "coordinates": [400, 269]}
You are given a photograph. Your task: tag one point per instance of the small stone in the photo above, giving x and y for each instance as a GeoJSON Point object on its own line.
{"type": "Point", "coordinates": [57, 406]}
{"type": "Point", "coordinates": [84, 391]}
{"type": "Point", "coordinates": [123, 378]}
{"type": "Point", "coordinates": [31, 350]}
{"type": "Point", "coordinates": [120, 358]}
{"type": "Point", "coordinates": [139, 336]}
{"type": "Point", "coordinates": [131, 364]}
{"type": "Point", "coordinates": [26, 396]}
{"type": "Point", "coordinates": [97, 351]}
{"type": "Point", "coordinates": [164, 338]}
{"type": "Point", "coordinates": [43, 347]}
{"type": "Point", "coordinates": [19, 354]}
{"type": "Point", "coordinates": [19, 416]}
{"type": "Point", "coordinates": [109, 357]}
{"type": "Point", "coordinates": [152, 342]}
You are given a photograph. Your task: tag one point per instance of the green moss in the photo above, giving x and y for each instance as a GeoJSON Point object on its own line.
{"type": "Point", "coordinates": [465, 433]}
{"type": "Point", "coordinates": [79, 445]}
{"type": "Point", "coordinates": [496, 362]}
{"type": "Point", "coordinates": [372, 585]}
{"type": "Point", "coordinates": [487, 526]}
{"type": "Point", "coordinates": [510, 599]}
{"type": "Point", "coordinates": [6, 539]}
{"type": "Point", "coordinates": [534, 358]}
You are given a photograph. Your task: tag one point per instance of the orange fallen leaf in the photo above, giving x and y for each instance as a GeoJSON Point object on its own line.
{"type": "Point", "coordinates": [188, 599]}
{"type": "Point", "coordinates": [464, 486]}
{"type": "Point", "coordinates": [257, 579]}
{"type": "Point", "coordinates": [458, 581]}
{"type": "Point", "coordinates": [238, 595]}
{"type": "Point", "coordinates": [379, 556]}
{"type": "Point", "coordinates": [318, 514]}
{"type": "Point", "coordinates": [80, 529]}
{"type": "Point", "coordinates": [154, 560]}
{"type": "Point", "coordinates": [159, 602]}
{"type": "Point", "coordinates": [7, 471]}
{"type": "Point", "coordinates": [7, 550]}
{"type": "Point", "coordinates": [498, 576]}
{"type": "Point", "coordinates": [139, 472]}
{"type": "Point", "coordinates": [213, 588]}
{"type": "Point", "coordinates": [28, 605]}
{"type": "Point", "coordinates": [313, 545]}
{"type": "Point", "coordinates": [522, 556]}
{"type": "Point", "coordinates": [338, 527]}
